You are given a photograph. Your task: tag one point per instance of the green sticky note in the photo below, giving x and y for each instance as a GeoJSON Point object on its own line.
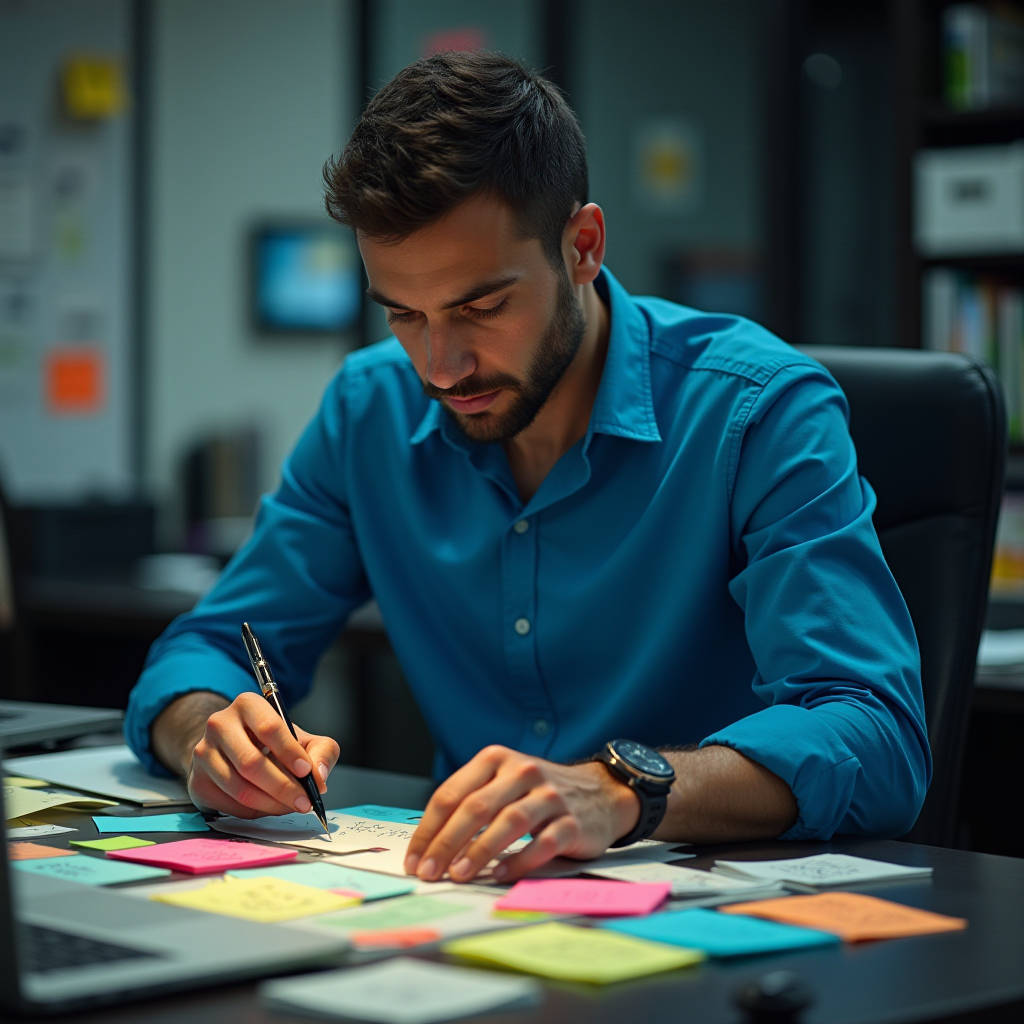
{"type": "Point", "coordinates": [333, 876]}
{"type": "Point", "coordinates": [91, 870]}
{"type": "Point", "coordinates": [398, 913]}
{"type": "Point", "coordinates": [191, 821]}
{"type": "Point", "coordinates": [113, 843]}
{"type": "Point", "coordinates": [573, 954]}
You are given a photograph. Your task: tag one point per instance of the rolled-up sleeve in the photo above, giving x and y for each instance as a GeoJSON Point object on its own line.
{"type": "Point", "coordinates": [833, 643]}
{"type": "Point", "coordinates": [296, 581]}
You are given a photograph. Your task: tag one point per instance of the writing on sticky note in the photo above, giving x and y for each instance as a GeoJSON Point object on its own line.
{"type": "Point", "coordinates": [398, 815]}
{"type": "Point", "coordinates": [35, 851]}
{"type": "Point", "coordinates": [267, 900]}
{"type": "Point", "coordinates": [598, 897]}
{"type": "Point", "coordinates": [321, 875]}
{"type": "Point", "coordinates": [720, 935]}
{"type": "Point", "coordinates": [204, 856]}
{"type": "Point", "coordinates": [182, 822]}
{"type": "Point", "coordinates": [854, 917]}
{"type": "Point", "coordinates": [90, 870]}
{"type": "Point", "coordinates": [573, 954]}
{"type": "Point", "coordinates": [113, 843]}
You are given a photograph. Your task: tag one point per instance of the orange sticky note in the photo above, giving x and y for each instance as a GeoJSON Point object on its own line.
{"type": "Point", "coordinates": [394, 938]}
{"type": "Point", "coordinates": [852, 916]}
{"type": "Point", "coordinates": [35, 851]}
{"type": "Point", "coordinates": [75, 380]}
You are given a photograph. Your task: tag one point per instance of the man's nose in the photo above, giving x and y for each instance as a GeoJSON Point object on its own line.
{"type": "Point", "coordinates": [448, 361]}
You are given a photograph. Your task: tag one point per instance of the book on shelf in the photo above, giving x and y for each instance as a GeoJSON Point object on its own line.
{"type": "Point", "coordinates": [983, 56]}
{"type": "Point", "coordinates": [981, 317]}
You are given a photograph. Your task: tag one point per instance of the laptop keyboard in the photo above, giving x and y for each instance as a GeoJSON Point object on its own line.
{"type": "Point", "coordinates": [48, 950]}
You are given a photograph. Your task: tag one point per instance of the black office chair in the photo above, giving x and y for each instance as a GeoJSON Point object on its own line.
{"type": "Point", "coordinates": [930, 432]}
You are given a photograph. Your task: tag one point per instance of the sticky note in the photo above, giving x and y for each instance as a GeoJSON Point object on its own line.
{"type": "Point", "coordinates": [113, 843]}
{"type": "Point", "coordinates": [203, 856]}
{"type": "Point", "coordinates": [90, 870]}
{"type": "Point", "coordinates": [191, 821]}
{"type": "Point", "coordinates": [573, 954]}
{"type": "Point", "coordinates": [36, 831]}
{"type": "Point", "coordinates": [585, 896]}
{"type": "Point", "coordinates": [395, 938]}
{"type": "Point", "coordinates": [35, 851]}
{"type": "Point", "coordinates": [19, 783]}
{"type": "Point", "coordinates": [258, 899]}
{"type": "Point", "coordinates": [403, 912]}
{"type": "Point", "coordinates": [718, 934]}
{"type": "Point", "coordinates": [852, 916]}
{"type": "Point", "coordinates": [398, 815]}
{"type": "Point", "coordinates": [334, 876]}
{"type": "Point", "coordinates": [19, 801]}
{"type": "Point", "coordinates": [75, 380]}
{"type": "Point", "coordinates": [400, 991]}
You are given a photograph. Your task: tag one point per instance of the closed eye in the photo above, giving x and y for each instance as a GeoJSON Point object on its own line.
{"type": "Point", "coordinates": [397, 317]}
{"type": "Point", "coordinates": [487, 314]}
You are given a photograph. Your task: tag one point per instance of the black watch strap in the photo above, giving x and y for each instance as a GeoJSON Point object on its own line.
{"type": "Point", "coordinates": [652, 810]}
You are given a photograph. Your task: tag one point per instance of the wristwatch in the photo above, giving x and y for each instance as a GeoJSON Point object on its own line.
{"type": "Point", "coordinates": [648, 774]}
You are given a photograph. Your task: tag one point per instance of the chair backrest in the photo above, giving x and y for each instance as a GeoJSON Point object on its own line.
{"type": "Point", "coordinates": [930, 433]}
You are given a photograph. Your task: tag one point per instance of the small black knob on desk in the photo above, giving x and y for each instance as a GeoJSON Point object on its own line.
{"type": "Point", "coordinates": [776, 998]}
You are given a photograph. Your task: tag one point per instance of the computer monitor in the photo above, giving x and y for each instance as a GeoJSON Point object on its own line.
{"type": "Point", "coordinates": [306, 279]}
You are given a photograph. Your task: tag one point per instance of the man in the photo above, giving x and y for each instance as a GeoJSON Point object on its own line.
{"type": "Point", "coordinates": [584, 516]}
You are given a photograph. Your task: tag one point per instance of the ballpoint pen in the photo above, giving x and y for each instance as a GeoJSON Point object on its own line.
{"type": "Point", "coordinates": [269, 688]}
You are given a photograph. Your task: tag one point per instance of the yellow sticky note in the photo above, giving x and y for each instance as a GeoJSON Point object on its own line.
{"type": "Point", "coordinates": [569, 953]}
{"type": "Point", "coordinates": [263, 899]}
{"type": "Point", "coordinates": [93, 87]}
{"type": "Point", "coordinates": [20, 802]}
{"type": "Point", "coordinates": [19, 783]}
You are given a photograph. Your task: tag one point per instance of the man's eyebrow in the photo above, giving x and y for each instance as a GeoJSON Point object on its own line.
{"type": "Point", "coordinates": [471, 296]}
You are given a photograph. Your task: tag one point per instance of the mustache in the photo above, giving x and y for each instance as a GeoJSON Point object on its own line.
{"type": "Point", "coordinates": [472, 387]}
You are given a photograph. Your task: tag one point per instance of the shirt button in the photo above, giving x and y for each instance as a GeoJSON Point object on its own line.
{"type": "Point", "coordinates": [540, 727]}
{"type": "Point", "coordinates": [522, 626]}
{"type": "Point", "coordinates": [521, 526]}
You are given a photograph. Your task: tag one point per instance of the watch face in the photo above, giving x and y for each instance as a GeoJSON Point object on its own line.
{"type": "Point", "coordinates": [643, 759]}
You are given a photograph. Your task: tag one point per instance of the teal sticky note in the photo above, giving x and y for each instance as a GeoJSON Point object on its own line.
{"type": "Point", "coordinates": [184, 822]}
{"type": "Point", "coordinates": [333, 876]}
{"type": "Point", "coordinates": [91, 870]}
{"type": "Point", "coordinates": [399, 815]}
{"type": "Point", "coordinates": [720, 934]}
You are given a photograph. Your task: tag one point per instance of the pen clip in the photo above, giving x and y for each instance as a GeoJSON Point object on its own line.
{"type": "Point", "coordinates": [260, 668]}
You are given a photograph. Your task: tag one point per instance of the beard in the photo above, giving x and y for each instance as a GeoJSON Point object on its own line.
{"type": "Point", "coordinates": [556, 351]}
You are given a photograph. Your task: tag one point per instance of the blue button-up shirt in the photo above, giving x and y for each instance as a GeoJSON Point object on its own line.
{"type": "Point", "coordinates": [700, 568]}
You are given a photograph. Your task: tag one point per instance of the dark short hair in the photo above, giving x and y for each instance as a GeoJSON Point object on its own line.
{"type": "Point", "coordinates": [452, 126]}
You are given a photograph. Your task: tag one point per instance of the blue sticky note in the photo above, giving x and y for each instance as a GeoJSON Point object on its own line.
{"type": "Point", "coordinates": [91, 870]}
{"type": "Point", "coordinates": [184, 822]}
{"type": "Point", "coordinates": [720, 934]}
{"type": "Point", "coordinates": [399, 815]}
{"type": "Point", "coordinates": [333, 876]}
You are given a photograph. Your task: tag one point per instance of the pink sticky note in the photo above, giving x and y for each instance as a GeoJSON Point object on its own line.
{"type": "Point", "coordinates": [599, 897]}
{"type": "Point", "coordinates": [202, 856]}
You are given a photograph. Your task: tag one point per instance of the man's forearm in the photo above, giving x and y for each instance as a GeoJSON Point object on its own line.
{"type": "Point", "coordinates": [722, 796]}
{"type": "Point", "coordinates": [180, 726]}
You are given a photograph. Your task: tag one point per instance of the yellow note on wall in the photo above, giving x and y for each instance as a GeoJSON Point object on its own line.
{"type": "Point", "coordinates": [262, 899]}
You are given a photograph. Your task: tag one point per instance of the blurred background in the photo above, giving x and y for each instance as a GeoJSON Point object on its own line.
{"type": "Point", "coordinates": [173, 299]}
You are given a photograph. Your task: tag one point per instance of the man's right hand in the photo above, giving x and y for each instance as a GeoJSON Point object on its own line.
{"type": "Point", "coordinates": [240, 758]}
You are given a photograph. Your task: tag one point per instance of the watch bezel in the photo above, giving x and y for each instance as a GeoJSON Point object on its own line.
{"type": "Point", "coordinates": [614, 759]}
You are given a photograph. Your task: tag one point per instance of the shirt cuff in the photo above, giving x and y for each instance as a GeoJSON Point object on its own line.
{"type": "Point", "coordinates": [176, 673]}
{"type": "Point", "coordinates": [808, 755]}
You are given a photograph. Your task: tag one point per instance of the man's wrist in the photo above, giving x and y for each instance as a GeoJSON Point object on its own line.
{"type": "Point", "coordinates": [181, 725]}
{"type": "Point", "coordinates": [622, 799]}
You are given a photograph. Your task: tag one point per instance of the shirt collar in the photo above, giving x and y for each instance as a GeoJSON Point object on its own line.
{"type": "Point", "coordinates": [624, 405]}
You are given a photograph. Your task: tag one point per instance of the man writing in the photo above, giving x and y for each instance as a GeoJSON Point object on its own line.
{"type": "Point", "coordinates": [585, 517]}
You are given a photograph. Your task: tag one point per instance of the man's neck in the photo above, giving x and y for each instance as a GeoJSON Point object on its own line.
{"type": "Point", "coordinates": [566, 415]}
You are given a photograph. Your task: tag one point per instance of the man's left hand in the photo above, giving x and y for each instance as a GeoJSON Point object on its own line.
{"type": "Point", "coordinates": [568, 810]}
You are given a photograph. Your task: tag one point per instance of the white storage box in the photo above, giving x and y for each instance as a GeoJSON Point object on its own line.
{"type": "Point", "coordinates": [969, 201]}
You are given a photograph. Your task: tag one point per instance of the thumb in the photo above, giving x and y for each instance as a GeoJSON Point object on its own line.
{"type": "Point", "coordinates": [323, 752]}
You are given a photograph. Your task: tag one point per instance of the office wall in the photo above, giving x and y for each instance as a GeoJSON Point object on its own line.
{"type": "Point", "coordinates": [685, 61]}
{"type": "Point", "coordinates": [249, 98]}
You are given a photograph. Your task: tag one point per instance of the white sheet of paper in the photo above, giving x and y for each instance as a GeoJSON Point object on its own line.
{"type": "Point", "coordinates": [684, 881]}
{"type": "Point", "coordinates": [646, 851]}
{"type": "Point", "coordinates": [401, 991]}
{"type": "Point", "coordinates": [824, 869]}
{"type": "Point", "coordinates": [348, 834]}
{"type": "Point", "coordinates": [35, 831]}
{"type": "Point", "coordinates": [108, 771]}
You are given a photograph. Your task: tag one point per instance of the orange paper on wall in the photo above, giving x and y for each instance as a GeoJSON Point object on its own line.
{"type": "Point", "coordinates": [75, 380]}
{"type": "Point", "coordinates": [852, 916]}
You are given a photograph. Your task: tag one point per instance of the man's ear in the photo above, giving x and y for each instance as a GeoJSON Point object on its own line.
{"type": "Point", "coordinates": [583, 242]}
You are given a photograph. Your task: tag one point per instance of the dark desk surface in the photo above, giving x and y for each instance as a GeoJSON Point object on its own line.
{"type": "Point", "coordinates": [977, 974]}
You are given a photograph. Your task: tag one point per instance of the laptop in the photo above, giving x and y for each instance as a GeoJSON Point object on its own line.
{"type": "Point", "coordinates": [65, 946]}
{"type": "Point", "coordinates": [22, 722]}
